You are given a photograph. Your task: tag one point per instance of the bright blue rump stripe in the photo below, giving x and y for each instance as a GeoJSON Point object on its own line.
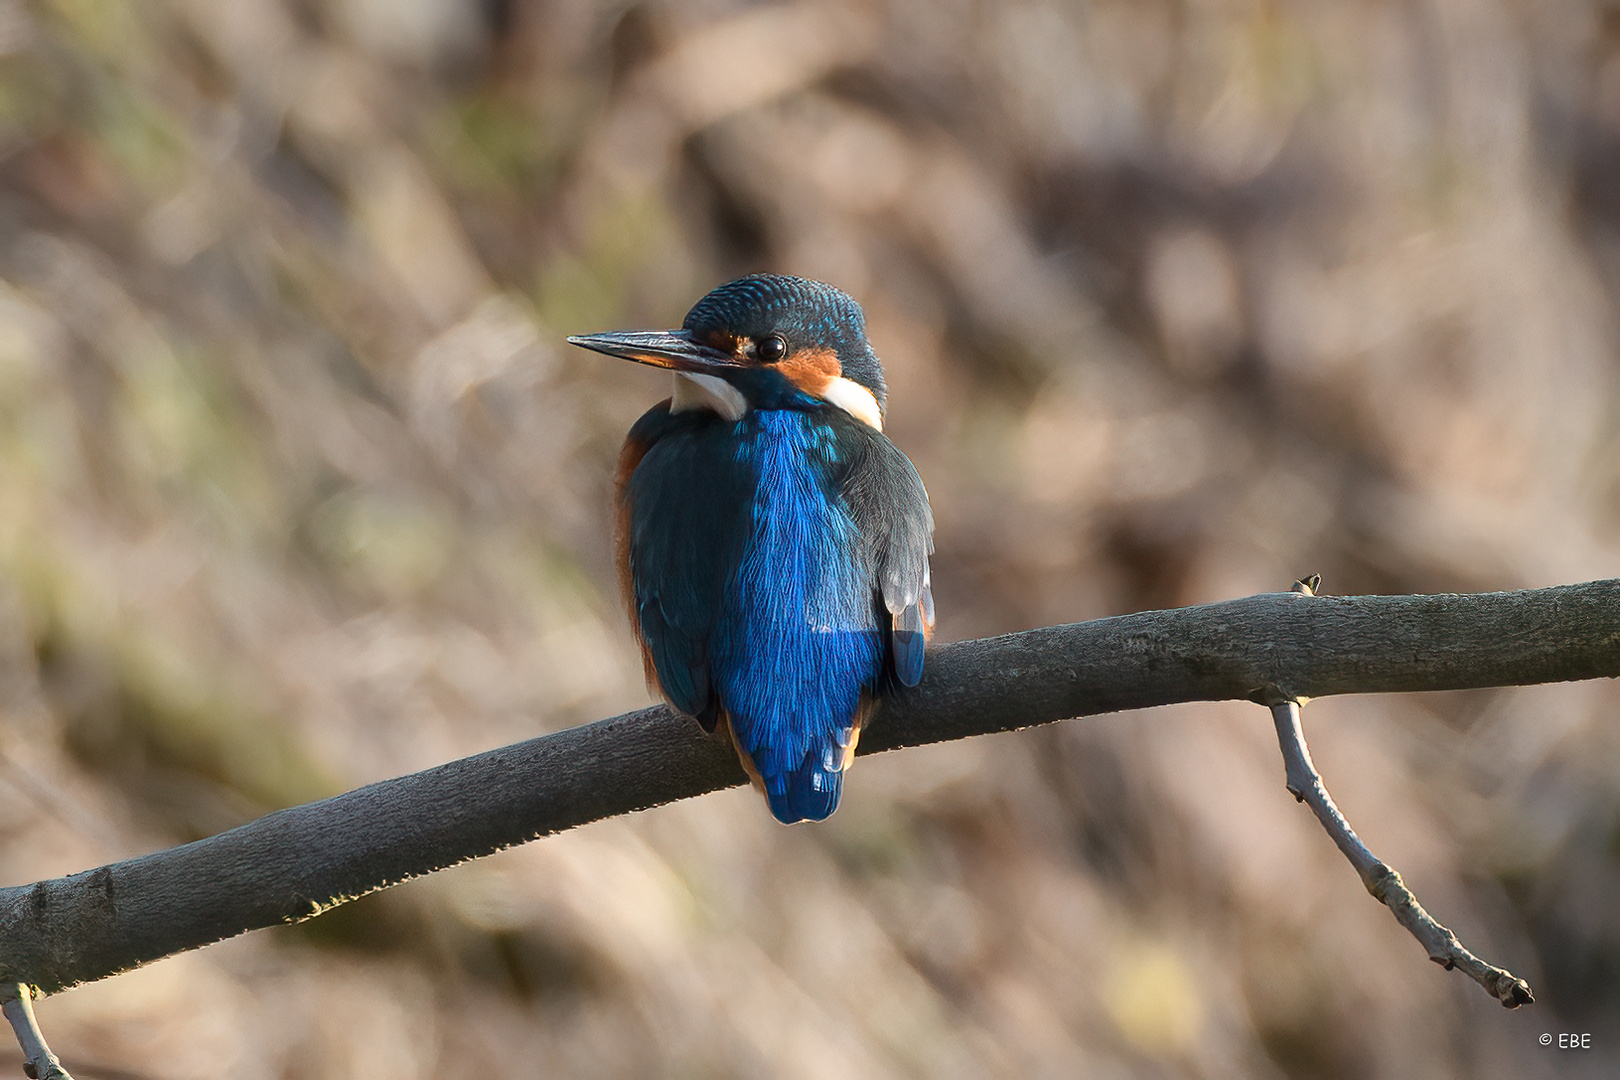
{"type": "Point", "coordinates": [800, 641]}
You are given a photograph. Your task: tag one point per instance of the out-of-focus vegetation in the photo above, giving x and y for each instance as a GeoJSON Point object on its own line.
{"type": "Point", "coordinates": [1179, 301]}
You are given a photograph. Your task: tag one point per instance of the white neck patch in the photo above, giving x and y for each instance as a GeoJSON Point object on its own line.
{"type": "Point", "coordinates": [694, 391]}
{"type": "Point", "coordinates": [854, 399]}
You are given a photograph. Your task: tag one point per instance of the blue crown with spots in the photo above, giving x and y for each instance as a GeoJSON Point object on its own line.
{"type": "Point", "coordinates": [804, 312]}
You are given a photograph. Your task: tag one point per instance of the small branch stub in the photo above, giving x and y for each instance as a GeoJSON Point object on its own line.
{"type": "Point", "coordinates": [17, 1002]}
{"type": "Point", "coordinates": [1305, 784]}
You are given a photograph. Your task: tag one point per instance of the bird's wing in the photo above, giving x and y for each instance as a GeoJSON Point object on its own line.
{"type": "Point", "coordinates": [674, 546]}
{"type": "Point", "coordinates": [889, 505]}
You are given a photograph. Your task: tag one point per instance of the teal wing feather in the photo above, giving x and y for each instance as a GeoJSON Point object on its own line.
{"type": "Point", "coordinates": [889, 504]}
{"type": "Point", "coordinates": [684, 514]}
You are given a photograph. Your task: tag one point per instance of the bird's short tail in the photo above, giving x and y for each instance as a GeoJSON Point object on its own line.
{"type": "Point", "coordinates": [811, 791]}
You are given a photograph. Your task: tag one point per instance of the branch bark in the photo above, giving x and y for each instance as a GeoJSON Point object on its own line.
{"type": "Point", "coordinates": [297, 863]}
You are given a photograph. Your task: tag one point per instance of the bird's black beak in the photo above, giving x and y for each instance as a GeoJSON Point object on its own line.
{"type": "Point", "coordinates": [673, 349]}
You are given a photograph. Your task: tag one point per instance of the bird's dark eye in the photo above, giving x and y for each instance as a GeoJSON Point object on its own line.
{"type": "Point", "coordinates": [771, 349]}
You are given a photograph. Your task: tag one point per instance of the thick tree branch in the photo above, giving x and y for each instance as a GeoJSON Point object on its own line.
{"type": "Point", "coordinates": [296, 863]}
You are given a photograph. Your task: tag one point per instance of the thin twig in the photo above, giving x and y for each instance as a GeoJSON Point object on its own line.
{"type": "Point", "coordinates": [1305, 783]}
{"type": "Point", "coordinates": [17, 1002]}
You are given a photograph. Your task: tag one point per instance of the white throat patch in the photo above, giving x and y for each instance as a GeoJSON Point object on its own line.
{"type": "Point", "coordinates": [694, 391]}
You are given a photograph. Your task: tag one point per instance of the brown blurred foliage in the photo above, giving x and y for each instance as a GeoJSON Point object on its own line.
{"type": "Point", "coordinates": [1178, 301]}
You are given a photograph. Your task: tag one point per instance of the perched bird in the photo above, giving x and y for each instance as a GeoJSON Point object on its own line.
{"type": "Point", "coordinates": [773, 543]}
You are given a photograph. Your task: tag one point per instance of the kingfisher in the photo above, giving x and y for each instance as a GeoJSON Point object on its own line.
{"type": "Point", "coordinates": [772, 542]}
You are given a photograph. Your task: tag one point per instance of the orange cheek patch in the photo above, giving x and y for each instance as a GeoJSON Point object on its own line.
{"type": "Point", "coordinates": [811, 369]}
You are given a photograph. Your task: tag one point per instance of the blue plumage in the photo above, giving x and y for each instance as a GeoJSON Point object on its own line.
{"type": "Point", "coordinates": [774, 543]}
{"type": "Point", "coordinates": [800, 643]}
{"type": "Point", "coordinates": [685, 546]}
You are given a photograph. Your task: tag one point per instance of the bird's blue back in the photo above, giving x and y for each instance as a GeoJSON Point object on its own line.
{"type": "Point", "coordinates": [801, 641]}
{"type": "Point", "coordinates": [756, 590]}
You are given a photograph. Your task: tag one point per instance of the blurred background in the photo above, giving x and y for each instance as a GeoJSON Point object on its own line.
{"type": "Point", "coordinates": [299, 489]}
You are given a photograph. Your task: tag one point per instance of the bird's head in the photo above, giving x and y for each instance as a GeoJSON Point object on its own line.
{"type": "Point", "coordinates": [765, 341]}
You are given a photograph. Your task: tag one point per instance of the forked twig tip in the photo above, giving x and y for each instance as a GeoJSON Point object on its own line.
{"type": "Point", "coordinates": [1381, 879]}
